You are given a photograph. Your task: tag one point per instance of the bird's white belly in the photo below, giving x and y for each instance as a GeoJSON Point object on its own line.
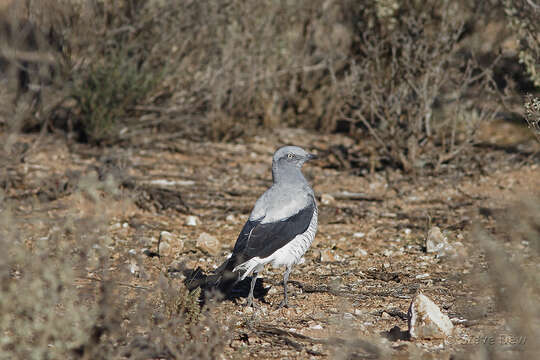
{"type": "Point", "coordinates": [288, 255]}
{"type": "Point", "coordinates": [291, 253]}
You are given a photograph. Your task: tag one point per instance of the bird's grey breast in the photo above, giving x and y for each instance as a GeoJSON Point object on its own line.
{"type": "Point", "coordinates": [282, 201]}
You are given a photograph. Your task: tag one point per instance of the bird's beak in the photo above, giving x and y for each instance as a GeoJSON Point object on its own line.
{"type": "Point", "coordinates": [312, 156]}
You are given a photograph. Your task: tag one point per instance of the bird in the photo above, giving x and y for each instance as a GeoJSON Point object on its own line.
{"type": "Point", "coordinates": [280, 228]}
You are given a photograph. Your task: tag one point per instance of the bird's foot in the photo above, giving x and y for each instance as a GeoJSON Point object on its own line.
{"type": "Point", "coordinates": [252, 304]}
{"type": "Point", "coordinates": [283, 304]}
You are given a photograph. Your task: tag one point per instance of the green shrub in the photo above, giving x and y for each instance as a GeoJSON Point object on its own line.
{"type": "Point", "coordinates": [108, 92]}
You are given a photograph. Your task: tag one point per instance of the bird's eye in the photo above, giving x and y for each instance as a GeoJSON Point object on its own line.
{"type": "Point", "coordinates": [290, 156]}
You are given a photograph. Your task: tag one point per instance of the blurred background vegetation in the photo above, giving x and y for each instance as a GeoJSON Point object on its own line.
{"type": "Point", "coordinates": [417, 78]}
{"type": "Point", "coordinates": [414, 80]}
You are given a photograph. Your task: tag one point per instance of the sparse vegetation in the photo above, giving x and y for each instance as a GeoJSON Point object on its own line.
{"type": "Point", "coordinates": [523, 16]}
{"type": "Point", "coordinates": [513, 278]}
{"type": "Point", "coordinates": [407, 91]}
{"type": "Point", "coordinates": [532, 115]}
{"type": "Point", "coordinates": [383, 70]}
{"type": "Point", "coordinates": [61, 298]}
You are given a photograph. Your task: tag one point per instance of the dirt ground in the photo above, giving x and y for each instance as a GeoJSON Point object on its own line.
{"type": "Point", "coordinates": [350, 297]}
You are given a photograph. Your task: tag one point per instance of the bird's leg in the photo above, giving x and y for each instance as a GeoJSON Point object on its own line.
{"type": "Point", "coordinates": [284, 302]}
{"type": "Point", "coordinates": [250, 296]}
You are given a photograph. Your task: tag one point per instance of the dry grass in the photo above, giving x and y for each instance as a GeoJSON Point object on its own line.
{"type": "Point", "coordinates": [513, 277]}
{"type": "Point", "coordinates": [523, 17]}
{"type": "Point", "coordinates": [532, 115]}
{"type": "Point", "coordinates": [396, 72]}
{"type": "Point", "coordinates": [109, 72]}
{"type": "Point", "coordinates": [64, 297]}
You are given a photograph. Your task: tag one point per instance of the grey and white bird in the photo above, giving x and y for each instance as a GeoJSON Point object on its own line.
{"type": "Point", "coordinates": [280, 229]}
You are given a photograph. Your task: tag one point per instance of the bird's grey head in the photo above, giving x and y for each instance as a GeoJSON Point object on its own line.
{"type": "Point", "coordinates": [288, 161]}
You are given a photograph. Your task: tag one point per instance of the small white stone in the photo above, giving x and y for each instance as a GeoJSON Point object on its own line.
{"type": "Point", "coordinates": [386, 315]}
{"type": "Point", "coordinates": [327, 255]}
{"type": "Point", "coordinates": [133, 267]}
{"type": "Point", "coordinates": [115, 226]}
{"type": "Point", "coordinates": [316, 327]}
{"type": "Point", "coordinates": [166, 236]}
{"type": "Point", "coordinates": [273, 291]}
{"type": "Point", "coordinates": [192, 220]}
{"type": "Point", "coordinates": [125, 225]}
{"type": "Point", "coordinates": [231, 218]}
{"type": "Point", "coordinates": [422, 276]}
{"type": "Point", "coordinates": [388, 253]}
{"type": "Point", "coordinates": [172, 240]}
{"type": "Point", "coordinates": [435, 241]}
{"type": "Point", "coordinates": [426, 321]}
{"type": "Point", "coordinates": [327, 199]}
{"type": "Point", "coordinates": [164, 248]}
{"type": "Point", "coordinates": [348, 316]}
{"type": "Point", "coordinates": [359, 235]}
{"type": "Point", "coordinates": [360, 252]}
{"type": "Point", "coordinates": [209, 244]}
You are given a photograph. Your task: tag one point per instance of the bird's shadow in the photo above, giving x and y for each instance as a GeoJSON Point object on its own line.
{"type": "Point", "coordinates": [195, 278]}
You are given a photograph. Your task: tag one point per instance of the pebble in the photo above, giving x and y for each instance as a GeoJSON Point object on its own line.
{"type": "Point", "coordinates": [209, 244]}
{"type": "Point", "coordinates": [164, 248]}
{"type": "Point", "coordinates": [231, 219]}
{"type": "Point", "coordinates": [115, 226]}
{"type": "Point", "coordinates": [327, 199]}
{"type": "Point", "coordinates": [133, 267]}
{"type": "Point", "coordinates": [327, 255]}
{"type": "Point", "coordinates": [438, 244]}
{"type": "Point", "coordinates": [426, 321]}
{"type": "Point", "coordinates": [172, 239]}
{"type": "Point", "coordinates": [360, 252]}
{"type": "Point", "coordinates": [273, 291]}
{"type": "Point", "coordinates": [386, 315]}
{"type": "Point", "coordinates": [316, 327]}
{"type": "Point", "coordinates": [435, 241]}
{"type": "Point", "coordinates": [166, 236]}
{"type": "Point", "coordinates": [192, 220]}
{"type": "Point", "coordinates": [359, 235]}
{"type": "Point", "coordinates": [149, 241]}
{"type": "Point", "coordinates": [388, 253]}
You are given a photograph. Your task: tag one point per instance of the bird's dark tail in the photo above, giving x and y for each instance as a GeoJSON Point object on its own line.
{"type": "Point", "coordinates": [222, 279]}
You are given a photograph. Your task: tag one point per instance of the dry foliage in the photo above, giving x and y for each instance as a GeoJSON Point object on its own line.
{"type": "Point", "coordinates": [524, 17]}
{"type": "Point", "coordinates": [63, 298]}
{"type": "Point", "coordinates": [532, 115]}
{"type": "Point", "coordinates": [411, 92]}
{"type": "Point", "coordinates": [384, 69]}
{"type": "Point", "coordinates": [515, 280]}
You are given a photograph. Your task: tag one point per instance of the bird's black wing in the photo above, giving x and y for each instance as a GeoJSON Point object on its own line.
{"type": "Point", "coordinates": [263, 239]}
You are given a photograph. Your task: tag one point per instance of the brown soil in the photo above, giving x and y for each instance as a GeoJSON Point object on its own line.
{"type": "Point", "coordinates": [344, 301]}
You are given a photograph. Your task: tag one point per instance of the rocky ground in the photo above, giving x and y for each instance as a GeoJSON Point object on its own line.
{"type": "Point", "coordinates": [369, 259]}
